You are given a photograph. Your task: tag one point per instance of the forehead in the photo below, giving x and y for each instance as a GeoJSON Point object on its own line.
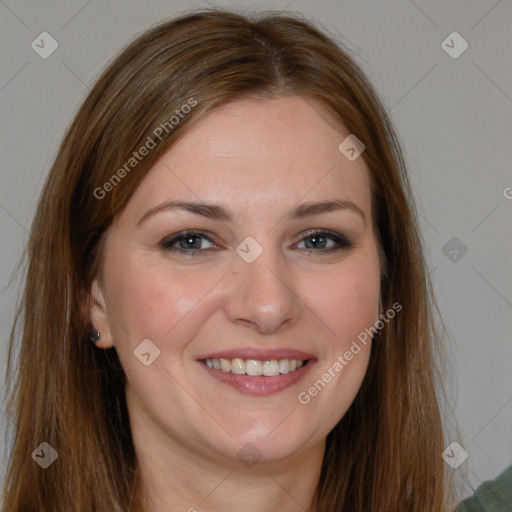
{"type": "Point", "coordinates": [258, 153]}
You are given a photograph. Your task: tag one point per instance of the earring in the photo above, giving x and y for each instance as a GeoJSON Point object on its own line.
{"type": "Point", "coordinates": [94, 337]}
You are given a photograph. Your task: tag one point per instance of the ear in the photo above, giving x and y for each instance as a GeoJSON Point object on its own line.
{"type": "Point", "coordinates": [99, 316]}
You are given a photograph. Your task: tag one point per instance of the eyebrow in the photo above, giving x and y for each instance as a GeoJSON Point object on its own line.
{"type": "Point", "coordinates": [218, 212]}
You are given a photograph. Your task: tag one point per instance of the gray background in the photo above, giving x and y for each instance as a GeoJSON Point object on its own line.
{"type": "Point", "coordinates": [453, 117]}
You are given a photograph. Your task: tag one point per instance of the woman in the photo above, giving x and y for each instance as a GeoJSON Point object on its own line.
{"type": "Point", "coordinates": [227, 304]}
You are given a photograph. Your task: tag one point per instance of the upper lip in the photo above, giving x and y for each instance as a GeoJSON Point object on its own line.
{"type": "Point", "coordinates": [259, 354]}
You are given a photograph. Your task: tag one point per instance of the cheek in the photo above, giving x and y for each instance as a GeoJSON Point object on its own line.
{"type": "Point", "coordinates": [151, 300]}
{"type": "Point", "coordinates": [347, 300]}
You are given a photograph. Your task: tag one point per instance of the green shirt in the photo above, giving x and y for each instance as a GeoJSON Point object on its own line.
{"type": "Point", "coordinates": [492, 496]}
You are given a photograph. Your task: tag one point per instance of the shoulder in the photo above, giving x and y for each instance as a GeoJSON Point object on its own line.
{"type": "Point", "coordinates": [492, 496]}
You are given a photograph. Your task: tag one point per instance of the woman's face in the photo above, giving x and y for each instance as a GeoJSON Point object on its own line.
{"type": "Point", "coordinates": [257, 279]}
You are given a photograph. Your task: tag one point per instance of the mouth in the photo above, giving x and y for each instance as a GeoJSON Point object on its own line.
{"type": "Point", "coordinates": [258, 377]}
{"type": "Point", "coordinates": [255, 367]}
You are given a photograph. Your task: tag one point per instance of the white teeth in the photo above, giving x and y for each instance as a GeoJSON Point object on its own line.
{"type": "Point", "coordinates": [254, 367]}
{"type": "Point", "coordinates": [237, 366]}
{"type": "Point", "coordinates": [271, 368]}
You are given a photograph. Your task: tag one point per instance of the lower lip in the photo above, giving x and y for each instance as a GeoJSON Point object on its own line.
{"type": "Point", "coordinates": [260, 386]}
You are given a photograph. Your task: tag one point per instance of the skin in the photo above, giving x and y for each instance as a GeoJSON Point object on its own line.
{"type": "Point", "coordinates": [259, 159]}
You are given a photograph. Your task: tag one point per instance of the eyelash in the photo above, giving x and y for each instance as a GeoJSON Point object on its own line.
{"type": "Point", "coordinates": [341, 241]}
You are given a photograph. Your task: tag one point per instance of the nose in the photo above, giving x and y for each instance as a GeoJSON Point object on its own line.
{"type": "Point", "coordinates": [263, 296]}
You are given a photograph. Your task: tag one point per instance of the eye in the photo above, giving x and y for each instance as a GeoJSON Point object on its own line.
{"type": "Point", "coordinates": [187, 242]}
{"type": "Point", "coordinates": [319, 240]}
{"type": "Point", "coordinates": [191, 242]}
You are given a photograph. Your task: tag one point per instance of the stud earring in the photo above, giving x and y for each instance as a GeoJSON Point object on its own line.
{"type": "Point", "coordinates": [94, 337]}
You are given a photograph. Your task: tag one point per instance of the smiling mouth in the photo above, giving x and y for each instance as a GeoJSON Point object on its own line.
{"type": "Point", "coordinates": [255, 367]}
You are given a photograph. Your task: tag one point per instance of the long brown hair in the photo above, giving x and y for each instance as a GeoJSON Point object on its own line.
{"type": "Point", "coordinates": [385, 453]}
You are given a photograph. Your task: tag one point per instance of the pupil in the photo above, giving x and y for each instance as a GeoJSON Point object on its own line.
{"type": "Point", "coordinates": [315, 240]}
{"type": "Point", "coordinates": [189, 242]}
